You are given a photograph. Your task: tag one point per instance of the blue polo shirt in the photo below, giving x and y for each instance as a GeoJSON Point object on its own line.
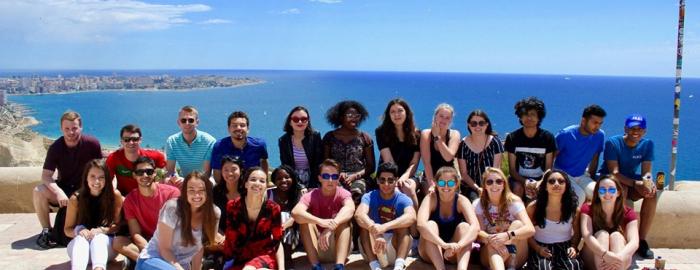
{"type": "Point", "coordinates": [189, 157]}
{"type": "Point", "coordinates": [577, 150]}
{"type": "Point", "coordinates": [628, 158]}
{"type": "Point", "coordinates": [254, 150]}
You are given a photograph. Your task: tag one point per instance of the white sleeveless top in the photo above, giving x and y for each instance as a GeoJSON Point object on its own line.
{"type": "Point", "coordinates": [554, 232]}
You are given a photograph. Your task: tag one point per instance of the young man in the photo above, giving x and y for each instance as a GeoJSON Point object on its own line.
{"type": "Point", "coordinates": [624, 155]}
{"type": "Point", "coordinates": [530, 148]}
{"type": "Point", "coordinates": [578, 149]}
{"type": "Point", "coordinates": [189, 149]}
{"type": "Point", "coordinates": [141, 208]}
{"type": "Point", "coordinates": [385, 216]}
{"type": "Point", "coordinates": [68, 154]}
{"type": "Point", "coordinates": [324, 216]}
{"type": "Point", "coordinates": [253, 151]}
{"type": "Point", "coordinates": [121, 162]}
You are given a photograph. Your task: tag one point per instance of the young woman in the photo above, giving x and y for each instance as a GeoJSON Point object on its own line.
{"type": "Point", "coordinates": [397, 140]}
{"type": "Point", "coordinates": [350, 146]}
{"type": "Point", "coordinates": [556, 219]}
{"type": "Point", "coordinates": [609, 228]}
{"type": "Point", "coordinates": [91, 218]}
{"type": "Point", "coordinates": [505, 226]}
{"type": "Point", "coordinates": [478, 150]}
{"type": "Point", "coordinates": [447, 222]}
{"type": "Point", "coordinates": [229, 189]}
{"type": "Point", "coordinates": [253, 226]}
{"type": "Point", "coordinates": [286, 193]}
{"type": "Point", "coordinates": [185, 225]}
{"type": "Point", "coordinates": [438, 145]}
{"type": "Point", "coordinates": [301, 147]}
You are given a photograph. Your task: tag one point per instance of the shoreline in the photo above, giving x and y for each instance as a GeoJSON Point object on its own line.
{"type": "Point", "coordinates": [139, 90]}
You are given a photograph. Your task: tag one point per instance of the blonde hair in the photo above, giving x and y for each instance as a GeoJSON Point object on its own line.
{"type": "Point", "coordinates": [444, 106]}
{"type": "Point", "coordinates": [447, 169]}
{"type": "Point", "coordinates": [190, 109]}
{"type": "Point", "coordinates": [507, 197]}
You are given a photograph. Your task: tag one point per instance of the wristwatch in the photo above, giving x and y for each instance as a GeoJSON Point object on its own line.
{"type": "Point", "coordinates": [512, 234]}
{"type": "Point", "coordinates": [436, 138]}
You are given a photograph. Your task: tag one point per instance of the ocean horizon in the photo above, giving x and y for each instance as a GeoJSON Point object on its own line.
{"type": "Point", "coordinates": [267, 104]}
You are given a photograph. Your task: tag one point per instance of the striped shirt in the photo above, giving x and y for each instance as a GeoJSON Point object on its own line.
{"type": "Point", "coordinates": [189, 157]}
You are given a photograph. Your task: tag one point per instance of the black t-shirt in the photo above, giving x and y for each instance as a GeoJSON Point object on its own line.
{"type": "Point", "coordinates": [530, 153]}
{"type": "Point", "coordinates": [402, 152]}
{"type": "Point", "coordinates": [70, 161]}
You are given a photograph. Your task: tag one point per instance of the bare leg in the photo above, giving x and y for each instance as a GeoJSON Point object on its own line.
{"type": "Point", "coordinates": [123, 246]}
{"type": "Point", "coordinates": [617, 243]}
{"type": "Point", "coordinates": [367, 245]}
{"type": "Point", "coordinates": [462, 256]}
{"type": "Point", "coordinates": [308, 237]}
{"type": "Point", "coordinates": [342, 240]}
{"type": "Point", "coordinates": [646, 216]}
{"type": "Point", "coordinates": [401, 242]}
{"type": "Point", "coordinates": [520, 245]}
{"type": "Point", "coordinates": [491, 259]}
{"type": "Point", "coordinates": [603, 240]}
{"type": "Point", "coordinates": [430, 252]}
{"type": "Point", "coordinates": [41, 196]}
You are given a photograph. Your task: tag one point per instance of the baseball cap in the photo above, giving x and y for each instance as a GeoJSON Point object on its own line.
{"type": "Point", "coordinates": [636, 120]}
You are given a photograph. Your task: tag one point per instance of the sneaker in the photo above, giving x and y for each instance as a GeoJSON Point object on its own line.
{"type": "Point", "coordinates": [339, 267]}
{"type": "Point", "coordinates": [44, 240]}
{"type": "Point", "coordinates": [644, 251]}
{"type": "Point", "coordinates": [317, 266]}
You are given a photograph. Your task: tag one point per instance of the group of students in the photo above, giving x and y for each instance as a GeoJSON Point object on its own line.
{"type": "Point", "coordinates": [327, 196]}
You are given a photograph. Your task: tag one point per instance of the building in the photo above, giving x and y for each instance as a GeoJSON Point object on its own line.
{"type": "Point", "coordinates": [3, 97]}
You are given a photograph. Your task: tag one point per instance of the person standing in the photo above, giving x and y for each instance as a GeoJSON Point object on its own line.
{"type": "Point", "coordinates": [253, 151]}
{"type": "Point", "coordinates": [438, 145]}
{"type": "Point", "coordinates": [190, 149]}
{"type": "Point", "coordinates": [301, 147]}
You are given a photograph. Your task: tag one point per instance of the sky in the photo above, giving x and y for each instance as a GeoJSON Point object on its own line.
{"type": "Point", "coordinates": [627, 38]}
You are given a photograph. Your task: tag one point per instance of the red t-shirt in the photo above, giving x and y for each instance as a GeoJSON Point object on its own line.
{"type": "Point", "coordinates": [325, 207]}
{"type": "Point", "coordinates": [123, 168]}
{"type": "Point", "coordinates": [145, 209]}
{"type": "Point", "coordinates": [629, 216]}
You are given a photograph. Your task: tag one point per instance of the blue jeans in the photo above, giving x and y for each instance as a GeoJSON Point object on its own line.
{"type": "Point", "coordinates": [153, 264]}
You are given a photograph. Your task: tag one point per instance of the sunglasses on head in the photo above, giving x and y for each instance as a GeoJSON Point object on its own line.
{"type": "Point", "coordinates": [448, 183]}
{"type": "Point", "coordinates": [328, 176]}
{"type": "Point", "coordinates": [477, 123]}
{"type": "Point", "coordinates": [386, 180]}
{"type": "Point", "coordinates": [187, 120]}
{"type": "Point", "coordinates": [146, 171]}
{"type": "Point", "coordinates": [603, 190]}
{"type": "Point", "coordinates": [299, 119]}
{"type": "Point", "coordinates": [131, 139]}
{"type": "Point", "coordinates": [551, 181]}
{"type": "Point", "coordinates": [491, 181]}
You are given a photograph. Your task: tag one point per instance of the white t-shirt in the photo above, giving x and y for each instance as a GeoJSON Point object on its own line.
{"type": "Point", "coordinates": [501, 222]}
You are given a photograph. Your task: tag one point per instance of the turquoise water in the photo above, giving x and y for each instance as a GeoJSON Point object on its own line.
{"type": "Point", "coordinates": [267, 104]}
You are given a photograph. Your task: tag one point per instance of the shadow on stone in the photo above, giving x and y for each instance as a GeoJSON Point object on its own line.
{"type": "Point", "coordinates": [60, 266]}
{"type": "Point", "coordinates": [26, 243]}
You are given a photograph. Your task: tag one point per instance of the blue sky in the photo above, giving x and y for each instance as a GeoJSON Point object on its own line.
{"type": "Point", "coordinates": [539, 37]}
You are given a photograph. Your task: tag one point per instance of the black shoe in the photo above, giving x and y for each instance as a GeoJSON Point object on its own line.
{"type": "Point", "coordinates": [44, 240]}
{"type": "Point", "coordinates": [644, 251]}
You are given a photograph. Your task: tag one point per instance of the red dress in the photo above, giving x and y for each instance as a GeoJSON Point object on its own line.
{"type": "Point", "coordinates": [252, 243]}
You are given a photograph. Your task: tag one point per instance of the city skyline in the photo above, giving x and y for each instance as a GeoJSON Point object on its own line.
{"type": "Point", "coordinates": [546, 37]}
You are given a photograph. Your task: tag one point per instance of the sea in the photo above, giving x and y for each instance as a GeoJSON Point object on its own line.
{"type": "Point", "coordinates": [267, 104]}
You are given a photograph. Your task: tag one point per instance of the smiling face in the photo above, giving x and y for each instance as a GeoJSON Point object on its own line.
{"type": "Point", "coordinates": [387, 184]}
{"type": "Point", "coordinates": [494, 184]}
{"type": "Point", "coordinates": [96, 180]}
{"type": "Point", "coordinates": [398, 114]}
{"type": "Point", "coordinates": [71, 131]}
{"type": "Point", "coordinates": [607, 186]}
{"type": "Point", "coordinates": [141, 174]}
{"type": "Point", "coordinates": [447, 192]}
{"type": "Point", "coordinates": [556, 184]}
{"type": "Point", "coordinates": [443, 118]}
{"type": "Point", "coordinates": [188, 122]}
{"type": "Point", "coordinates": [283, 180]}
{"type": "Point", "coordinates": [256, 184]}
{"type": "Point", "coordinates": [231, 173]}
{"type": "Point", "coordinates": [196, 192]}
{"type": "Point", "coordinates": [634, 134]}
{"type": "Point", "coordinates": [477, 125]}
{"type": "Point", "coordinates": [238, 128]}
{"type": "Point", "coordinates": [299, 120]}
{"type": "Point", "coordinates": [131, 141]}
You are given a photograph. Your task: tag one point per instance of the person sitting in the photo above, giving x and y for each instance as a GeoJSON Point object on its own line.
{"type": "Point", "coordinates": [324, 217]}
{"type": "Point", "coordinates": [121, 162]}
{"type": "Point", "coordinates": [438, 145]}
{"type": "Point", "coordinates": [286, 193]}
{"type": "Point", "coordinates": [555, 215]}
{"type": "Point", "coordinates": [505, 226]}
{"type": "Point", "coordinates": [609, 228]}
{"type": "Point", "coordinates": [92, 219]}
{"type": "Point", "coordinates": [301, 147]}
{"type": "Point", "coordinates": [385, 216]}
{"type": "Point", "coordinates": [185, 225]}
{"type": "Point", "coordinates": [253, 226]}
{"type": "Point", "coordinates": [447, 222]}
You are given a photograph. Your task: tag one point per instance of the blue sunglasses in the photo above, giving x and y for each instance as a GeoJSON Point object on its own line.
{"type": "Point", "coordinates": [328, 176]}
{"type": "Point", "coordinates": [449, 183]}
{"type": "Point", "coordinates": [611, 190]}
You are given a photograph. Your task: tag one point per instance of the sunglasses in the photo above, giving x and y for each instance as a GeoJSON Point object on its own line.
{"type": "Point", "coordinates": [187, 120]}
{"type": "Point", "coordinates": [299, 119]}
{"type": "Point", "coordinates": [497, 181]}
{"type": "Point", "coordinates": [611, 190]}
{"type": "Point", "coordinates": [131, 139]}
{"type": "Point", "coordinates": [448, 183]}
{"type": "Point", "coordinates": [142, 171]}
{"type": "Point", "coordinates": [352, 115]}
{"type": "Point", "coordinates": [551, 181]}
{"type": "Point", "coordinates": [477, 123]}
{"type": "Point", "coordinates": [386, 180]}
{"type": "Point", "coordinates": [328, 176]}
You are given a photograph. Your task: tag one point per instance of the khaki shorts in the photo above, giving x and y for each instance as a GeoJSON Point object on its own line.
{"type": "Point", "coordinates": [328, 256]}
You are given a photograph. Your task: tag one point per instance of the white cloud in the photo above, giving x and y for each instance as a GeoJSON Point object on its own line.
{"type": "Point", "coordinates": [87, 20]}
{"type": "Point", "coordinates": [327, 1]}
{"type": "Point", "coordinates": [216, 21]}
{"type": "Point", "coordinates": [291, 11]}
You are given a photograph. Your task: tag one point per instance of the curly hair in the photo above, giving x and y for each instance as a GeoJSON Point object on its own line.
{"type": "Point", "coordinates": [569, 200]}
{"type": "Point", "coordinates": [528, 104]}
{"type": "Point", "coordinates": [335, 115]}
{"type": "Point", "coordinates": [386, 132]}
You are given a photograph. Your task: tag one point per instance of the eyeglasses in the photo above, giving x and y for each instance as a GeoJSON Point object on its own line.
{"type": "Point", "coordinates": [328, 176]}
{"type": "Point", "coordinates": [448, 183]}
{"type": "Point", "coordinates": [497, 181]}
{"type": "Point", "coordinates": [142, 171]}
{"type": "Point", "coordinates": [187, 120]}
{"type": "Point", "coordinates": [299, 119]}
{"type": "Point", "coordinates": [551, 181]}
{"type": "Point", "coordinates": [386, 180]}
{"type": "Point", "coordinates": [131, 139]}
{"type": "Point", "coordinates": [477, 123]}
{"type": "Point", "coordinates": [352, 115]}
{"type": "Point", "coordinates": [611, 190]}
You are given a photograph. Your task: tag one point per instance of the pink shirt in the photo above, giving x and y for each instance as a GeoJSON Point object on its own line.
{"type": "Point", "coordinates": [629, 215]}
{"type": "Point", "coordinates": [145, 209]}
{"type": "Point", "coordinates": [325, 207]}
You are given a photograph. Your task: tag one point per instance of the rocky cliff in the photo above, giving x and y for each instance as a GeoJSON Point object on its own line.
{"type": "Point", "coordinates": [19, 145]}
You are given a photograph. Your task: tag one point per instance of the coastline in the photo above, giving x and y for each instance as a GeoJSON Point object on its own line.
{"type": "Point", "coordinates": [142, 90]}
